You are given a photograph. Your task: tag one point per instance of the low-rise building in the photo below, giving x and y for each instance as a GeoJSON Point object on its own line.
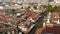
{"type": "Point", "coordinates": [55, 17]}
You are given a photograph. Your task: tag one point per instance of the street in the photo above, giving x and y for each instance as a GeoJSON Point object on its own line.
{"type": "Point", "coordinates": [40, 20]}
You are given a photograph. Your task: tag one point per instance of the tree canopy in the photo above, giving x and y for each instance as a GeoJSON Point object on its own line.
{"type": "Point", "coordinates": [50, 8]}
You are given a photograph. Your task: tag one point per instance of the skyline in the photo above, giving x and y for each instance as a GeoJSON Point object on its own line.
{"type": "Point", "coordinates": [24, 0]}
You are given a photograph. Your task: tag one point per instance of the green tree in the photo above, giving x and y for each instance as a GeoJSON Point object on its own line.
{"type": "Point", "coordinates": [40, 25]}
{"type": "Point", "coordinates": [13, 11]}
{"type": "Point", "coordinates": [49, 8]}
{"type": "Point", "coordinates": [7, 25]}
{"type": "Point", "coordinates": [56, 8]}
{"type": "Point", "coordinates": [46, 13]}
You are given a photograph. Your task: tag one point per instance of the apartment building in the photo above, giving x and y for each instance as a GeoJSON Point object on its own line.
{"type": "Point", "coordinates": [54, 24]}
{"type": "Point", "coordinates": [55, 17]}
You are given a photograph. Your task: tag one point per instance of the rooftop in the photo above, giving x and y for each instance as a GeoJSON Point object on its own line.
{"type": "Point", "coordinates": [55, 13]}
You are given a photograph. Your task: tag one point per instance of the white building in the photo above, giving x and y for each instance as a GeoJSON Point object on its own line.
{"type": "Point", "coordinates": [57, 1]}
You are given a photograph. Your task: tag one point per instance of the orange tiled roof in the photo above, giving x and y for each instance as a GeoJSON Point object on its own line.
{"type": "Point", "coordinates": [28, 13]}
{"type": "Point", "coordinates": [34, 15]}
{"type": "Point", "coordinates": [55, 13]}
{"type": "Point", "coordinates": [31, 15]}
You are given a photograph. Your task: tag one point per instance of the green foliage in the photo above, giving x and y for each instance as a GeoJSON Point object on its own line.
{"type": "Point", "coordinates": [40, 25]}
{"type": "Point", "coordinates": [49, 8]}
{"type": "Point", "coordinates": [13, 11]}
{"type": "Point", "coordinates": [46, 13]}
{"type": "Point", "coordinates": [56, 8]}
{"type": "Point", "coordinates": [7, 25]}
{"type": "Point", "coordinates": [50, 21]}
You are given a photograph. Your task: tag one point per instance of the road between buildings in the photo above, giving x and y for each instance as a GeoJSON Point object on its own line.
{"type": "Point", "coordinates": [40, 20]}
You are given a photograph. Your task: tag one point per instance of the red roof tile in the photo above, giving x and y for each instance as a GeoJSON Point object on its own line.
{"type": "Point", "coordinates": [55, 13]}
{"type": "Point", "coordinates": [28, 13]}
{"type": "Point", "coordinates": [34, 15]}
{"type": "Point", "coordinates": [31, 15]}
